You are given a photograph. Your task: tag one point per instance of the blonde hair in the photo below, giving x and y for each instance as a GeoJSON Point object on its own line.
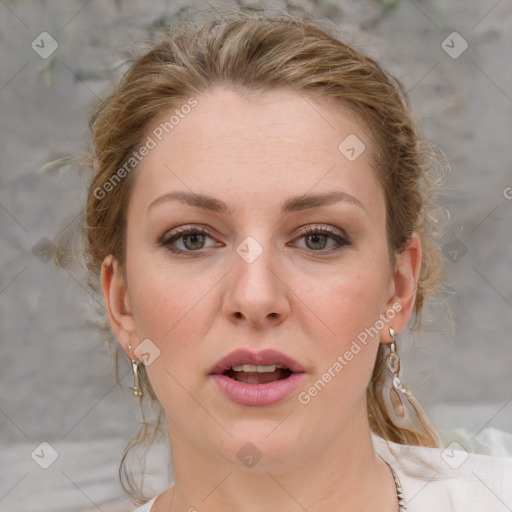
{"type": "Point", "coordinates": [257, 53]}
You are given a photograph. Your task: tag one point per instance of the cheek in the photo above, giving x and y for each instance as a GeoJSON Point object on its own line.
{"type": "Point", "coordinates": [351, 307]}
{"type": "Point", "coordinates": [175, 310]}
{"type": "Point", "coordinates": [169, 308]}
{"type": "Point", "coordinates": [164, 298]}
{"type": "Point", "coordinates": [352, 301]}
{"type": "Point", "coordinates": [171, 311]}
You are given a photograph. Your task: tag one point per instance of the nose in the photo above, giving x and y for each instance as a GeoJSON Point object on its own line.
{"type": "Point", "coordinates": [257, 292]}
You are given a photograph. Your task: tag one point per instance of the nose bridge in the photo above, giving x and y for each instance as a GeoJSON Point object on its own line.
{"type": "Point", "coordinates": [256, 293]}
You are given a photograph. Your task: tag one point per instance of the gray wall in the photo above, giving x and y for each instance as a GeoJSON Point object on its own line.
{"type": "Point", "coordinates": [56, 378]}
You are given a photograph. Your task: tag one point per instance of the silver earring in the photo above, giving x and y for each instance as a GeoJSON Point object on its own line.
{"type": "Point", "coordinates": [137, 390]}
{"type": "Point", "coordinates": [402, 406]}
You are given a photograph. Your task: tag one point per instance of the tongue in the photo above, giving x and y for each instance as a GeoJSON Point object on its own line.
{"type": "Point", "coordinates": [260, 378]}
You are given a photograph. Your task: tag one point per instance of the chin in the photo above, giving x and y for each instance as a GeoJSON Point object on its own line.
{"type": "Point", "coordinates": [262, 446]}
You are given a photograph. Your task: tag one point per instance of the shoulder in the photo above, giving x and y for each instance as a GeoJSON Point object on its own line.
{"type": "Point", "coordinates": [449, 479]}
{"type": "Point", "coordinates": [146, 507]}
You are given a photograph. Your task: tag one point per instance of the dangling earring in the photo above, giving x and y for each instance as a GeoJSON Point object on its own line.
{"type": "Point", "coordinates": [137, 390]}
{"type": "Point", "coordinates": [402, 406]}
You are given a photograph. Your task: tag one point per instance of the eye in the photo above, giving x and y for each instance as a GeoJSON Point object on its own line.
{"type": "Point", "coordinates": [317, 238]}
{"type": "Point", "coordinates": [190, 238]}
{"type": "Point", "coordinates": [193, 239]}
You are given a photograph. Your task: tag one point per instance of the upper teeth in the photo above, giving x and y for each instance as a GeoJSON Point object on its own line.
{"type": "Point", "coordinates": [251, 368]}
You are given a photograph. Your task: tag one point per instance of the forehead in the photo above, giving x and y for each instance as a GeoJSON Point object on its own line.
{"type": "Point", "coordinates": [271, 120]}
{"type": "Point", "coordinates": [279, 140]}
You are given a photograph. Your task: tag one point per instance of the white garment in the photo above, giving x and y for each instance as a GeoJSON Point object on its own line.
{"type": "Point", "coordinates": [146, 507]}
{"type": "Point", "coordinates": [461, 481]}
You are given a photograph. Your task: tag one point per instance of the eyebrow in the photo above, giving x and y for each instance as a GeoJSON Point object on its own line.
{"type": "Point", "coordinates": [292, 204]}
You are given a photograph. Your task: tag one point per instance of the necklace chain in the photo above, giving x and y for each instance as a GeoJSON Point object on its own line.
{"type": "Point", "coordinates": [402, 505]}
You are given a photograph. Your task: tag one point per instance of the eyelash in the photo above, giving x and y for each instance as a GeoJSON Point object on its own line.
{"type": "Point", "coordinates": [168, 239]}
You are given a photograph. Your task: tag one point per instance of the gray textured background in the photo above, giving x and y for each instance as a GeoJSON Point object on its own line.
{"type": "Point", "coordinates": [56, 378]}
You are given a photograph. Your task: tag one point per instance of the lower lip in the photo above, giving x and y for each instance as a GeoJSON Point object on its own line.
{"type": "Point", "coordinates": [257, 395]}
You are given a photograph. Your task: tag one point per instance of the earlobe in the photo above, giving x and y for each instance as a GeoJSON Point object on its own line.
{"type": "Point", "coordinates": [404, 286]}
{"type": "Point", "coordinates": [117, 301]}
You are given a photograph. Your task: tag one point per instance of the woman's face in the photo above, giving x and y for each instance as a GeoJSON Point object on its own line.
{"type": "Point", "coordinates": [268, 263]}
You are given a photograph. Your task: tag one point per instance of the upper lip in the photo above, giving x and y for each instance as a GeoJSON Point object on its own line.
{"type": "Point", "coordinates": [263, 358]}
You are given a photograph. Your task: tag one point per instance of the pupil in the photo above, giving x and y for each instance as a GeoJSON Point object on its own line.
{"type": "Point", "coordinates": [194, 240]}
{"type": "Point", "coordinates": [317, 236]}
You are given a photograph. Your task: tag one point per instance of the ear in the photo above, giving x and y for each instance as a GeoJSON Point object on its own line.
{"type": "Point", "coordinates": [403, 288]}
{"type": "Point", "coordinates": [117, 300]}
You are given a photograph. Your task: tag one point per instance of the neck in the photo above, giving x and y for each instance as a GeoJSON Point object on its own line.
{"type": "Point", "coordinates": [341, 473]}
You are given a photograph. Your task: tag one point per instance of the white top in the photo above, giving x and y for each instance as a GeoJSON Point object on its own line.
{"type": "Point", "coordinates": [461, 481]}
{"type": "Point", "coordinates": [146, 507]}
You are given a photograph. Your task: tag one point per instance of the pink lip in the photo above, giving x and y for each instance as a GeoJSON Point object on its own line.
{"type": "Point", "coordinates": [257, 394]}
{"type": "Point", "coordinates": [264, 358]}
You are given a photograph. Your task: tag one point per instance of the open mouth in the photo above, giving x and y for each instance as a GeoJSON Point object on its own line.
{"type": "Point", "coordinates": [252, 374]}
{"type": "Point", "coordinates": [257, 379]}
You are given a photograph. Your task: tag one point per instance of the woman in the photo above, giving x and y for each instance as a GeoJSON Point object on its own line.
{"type": "Point", "coordinates": [260, 220]}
